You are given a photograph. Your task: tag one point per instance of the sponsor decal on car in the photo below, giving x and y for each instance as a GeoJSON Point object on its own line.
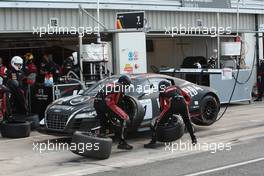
{"type": "Point", "coordinates": [192, 90]}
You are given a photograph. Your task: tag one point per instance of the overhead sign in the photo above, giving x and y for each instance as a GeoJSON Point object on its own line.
{"type": "Point", "coordinates": [130, 20]}
{"type": "Point", "coordinates": [207, 3]}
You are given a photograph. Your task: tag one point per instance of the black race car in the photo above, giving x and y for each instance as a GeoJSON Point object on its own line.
{"type": "Point", "coordinates": [77, 113]}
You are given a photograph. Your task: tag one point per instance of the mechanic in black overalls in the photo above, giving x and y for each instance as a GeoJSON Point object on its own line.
{"type": "Point", "coordinates": [172, 101]}
{"type": "Point", "coordinates": [261, 81]}
{"type": "Point", "coordinates": [107, 102]}
{"type": "Point", "coordinates": [68, 65]}
{"type": "Point", "coordinates": [17, 83]}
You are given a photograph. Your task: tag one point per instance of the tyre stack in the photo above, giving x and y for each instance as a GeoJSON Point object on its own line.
{"type": "Point", "coordinates": [20, 127]}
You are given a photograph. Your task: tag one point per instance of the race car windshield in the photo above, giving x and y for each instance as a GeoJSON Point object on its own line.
{"type": "Point", "coordinates": [91, 91]}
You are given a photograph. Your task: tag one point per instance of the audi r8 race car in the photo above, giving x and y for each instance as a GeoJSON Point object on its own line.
{"type": "Point", "coordinates": [74, 113]}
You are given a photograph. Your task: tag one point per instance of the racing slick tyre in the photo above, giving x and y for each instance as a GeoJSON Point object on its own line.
{"type": "Point", "coordinates": [171, 130]}
{"type": "Point", "coordinates": [91, 145]}
{"type": "Point", "coordinates": [209, 109]}
{"type": "Point", "coordinates": [15, 129]}
{"type": "Point", "coordinates": [135, 112]}
{"type": "Point", "coordinates": [33, 120]}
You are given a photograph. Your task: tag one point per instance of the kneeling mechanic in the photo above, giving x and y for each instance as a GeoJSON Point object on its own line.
{"type": "Point", "coordinates": [107, 102]}
{"type": "Point", "coordinates": [172, 101]}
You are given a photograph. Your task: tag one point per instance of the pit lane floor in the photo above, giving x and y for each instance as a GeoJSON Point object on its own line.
{"type": "Point", "coordinates": [242, 126]}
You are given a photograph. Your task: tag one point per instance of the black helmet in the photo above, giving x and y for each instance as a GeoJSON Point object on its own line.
{"type": "Point", "coordinates": [124, 80]}
{"type": "Point", "coordinates": [163, 85]}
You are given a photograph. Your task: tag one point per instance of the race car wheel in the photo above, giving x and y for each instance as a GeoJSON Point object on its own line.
{"type": "Point", "coordinates": [33, 120]}
{"type": "Point", "coordinates": [170, 131]}
{"type": "Point", "coordinates": [135, 111]}
{"type": "Point", "coordinates": [15, 129]}
{"type": "Point", "coordinates": [209, 109]}
{"type": "Point", "coordinates": [91, 145]}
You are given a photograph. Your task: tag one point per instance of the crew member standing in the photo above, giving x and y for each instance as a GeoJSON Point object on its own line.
{"type": "Point", "coordinates": [68, 65]}
{"type": "Point", "coordinates": [17, 84]}
{"type": "Point", "coordinates": [48, 69]}
{"type": "Point", "coordinates": [30, 69]}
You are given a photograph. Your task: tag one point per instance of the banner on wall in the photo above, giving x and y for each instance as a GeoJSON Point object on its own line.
{"type": "Point", "coordinates": [131, 52]}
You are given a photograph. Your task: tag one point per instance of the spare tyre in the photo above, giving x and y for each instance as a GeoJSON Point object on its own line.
{"type": "Point", "coordinates": [15, 129]}
{"type": "Point", "coordinates": [91, 145]}
{"type": "Point", "coordinates": [171, 130]}
{"type": "Point", "coordinates": [209, 109]}
{"type": "Point", "coordinates": [135, 112]}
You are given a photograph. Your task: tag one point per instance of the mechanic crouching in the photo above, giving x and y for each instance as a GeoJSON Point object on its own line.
{"type": "Point", "coordinates": [107, 102]}
{"type": "Point", "coordinates": [17, 84]}
{"type": "Point", "coordinates": [172, 101]}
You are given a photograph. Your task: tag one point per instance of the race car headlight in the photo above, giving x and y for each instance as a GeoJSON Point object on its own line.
{"type": "Point", "coordinates": [84, 115]}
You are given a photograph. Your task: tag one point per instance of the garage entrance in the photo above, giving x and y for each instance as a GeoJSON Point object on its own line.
{"type": "Point", "coordinates": [58, 48]}
{"type": "Point", "coordinates": [170, 52]}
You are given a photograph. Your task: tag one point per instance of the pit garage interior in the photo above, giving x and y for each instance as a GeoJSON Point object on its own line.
{"type": "Point", "coordinates": [170, 52]}
{"type": "Point", "coordinates": [162, 50]}
{"type": "Point", "coordinates": [59, 46]}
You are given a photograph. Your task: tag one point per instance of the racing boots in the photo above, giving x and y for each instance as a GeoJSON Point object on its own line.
{"type": "Point", "coordinates": [124, 145]}
{"type": "Point", "coordinates": [152, 144]}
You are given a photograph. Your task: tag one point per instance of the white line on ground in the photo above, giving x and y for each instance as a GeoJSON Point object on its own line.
{"type": "Point", "coordinates": [226, 167]}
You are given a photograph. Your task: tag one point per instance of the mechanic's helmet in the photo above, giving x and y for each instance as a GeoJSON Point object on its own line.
{"type": "Point", "coordinates": [124, 80]}
{"type": "Point", "coordinates": [163, 85]}
{"type": "Point", "coordinates": [68, 63]}
{"type": "Point", "coordinates": [17, 63]}
{"type": "Point", "coordinates": [29, 57]}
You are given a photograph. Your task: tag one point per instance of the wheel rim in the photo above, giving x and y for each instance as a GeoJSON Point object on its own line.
{"type": "Point", "coordinates": [210, 110]}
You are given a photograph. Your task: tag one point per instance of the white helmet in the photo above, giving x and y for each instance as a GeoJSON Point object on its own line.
{"type": "Point", "coordinates": [17, 63]}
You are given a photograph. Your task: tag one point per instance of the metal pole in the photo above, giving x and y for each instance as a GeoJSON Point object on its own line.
{"type": "Point", "coordinates": [93, 18]}
{"type": "Point", "coordinates": [218, 41]}
{"type": "Point", "coordinates": [80, 57]}
{"type": "Point", "coordinates": [257, 51]}
{"type": "Point", "coordinates": [237, 25]}
{"type": "Point", "coordinates": [98, 25]}
{"type": "Point", "coordinates": [238, 58]}
{"type": "Point", "coordinates": [80, 45]}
